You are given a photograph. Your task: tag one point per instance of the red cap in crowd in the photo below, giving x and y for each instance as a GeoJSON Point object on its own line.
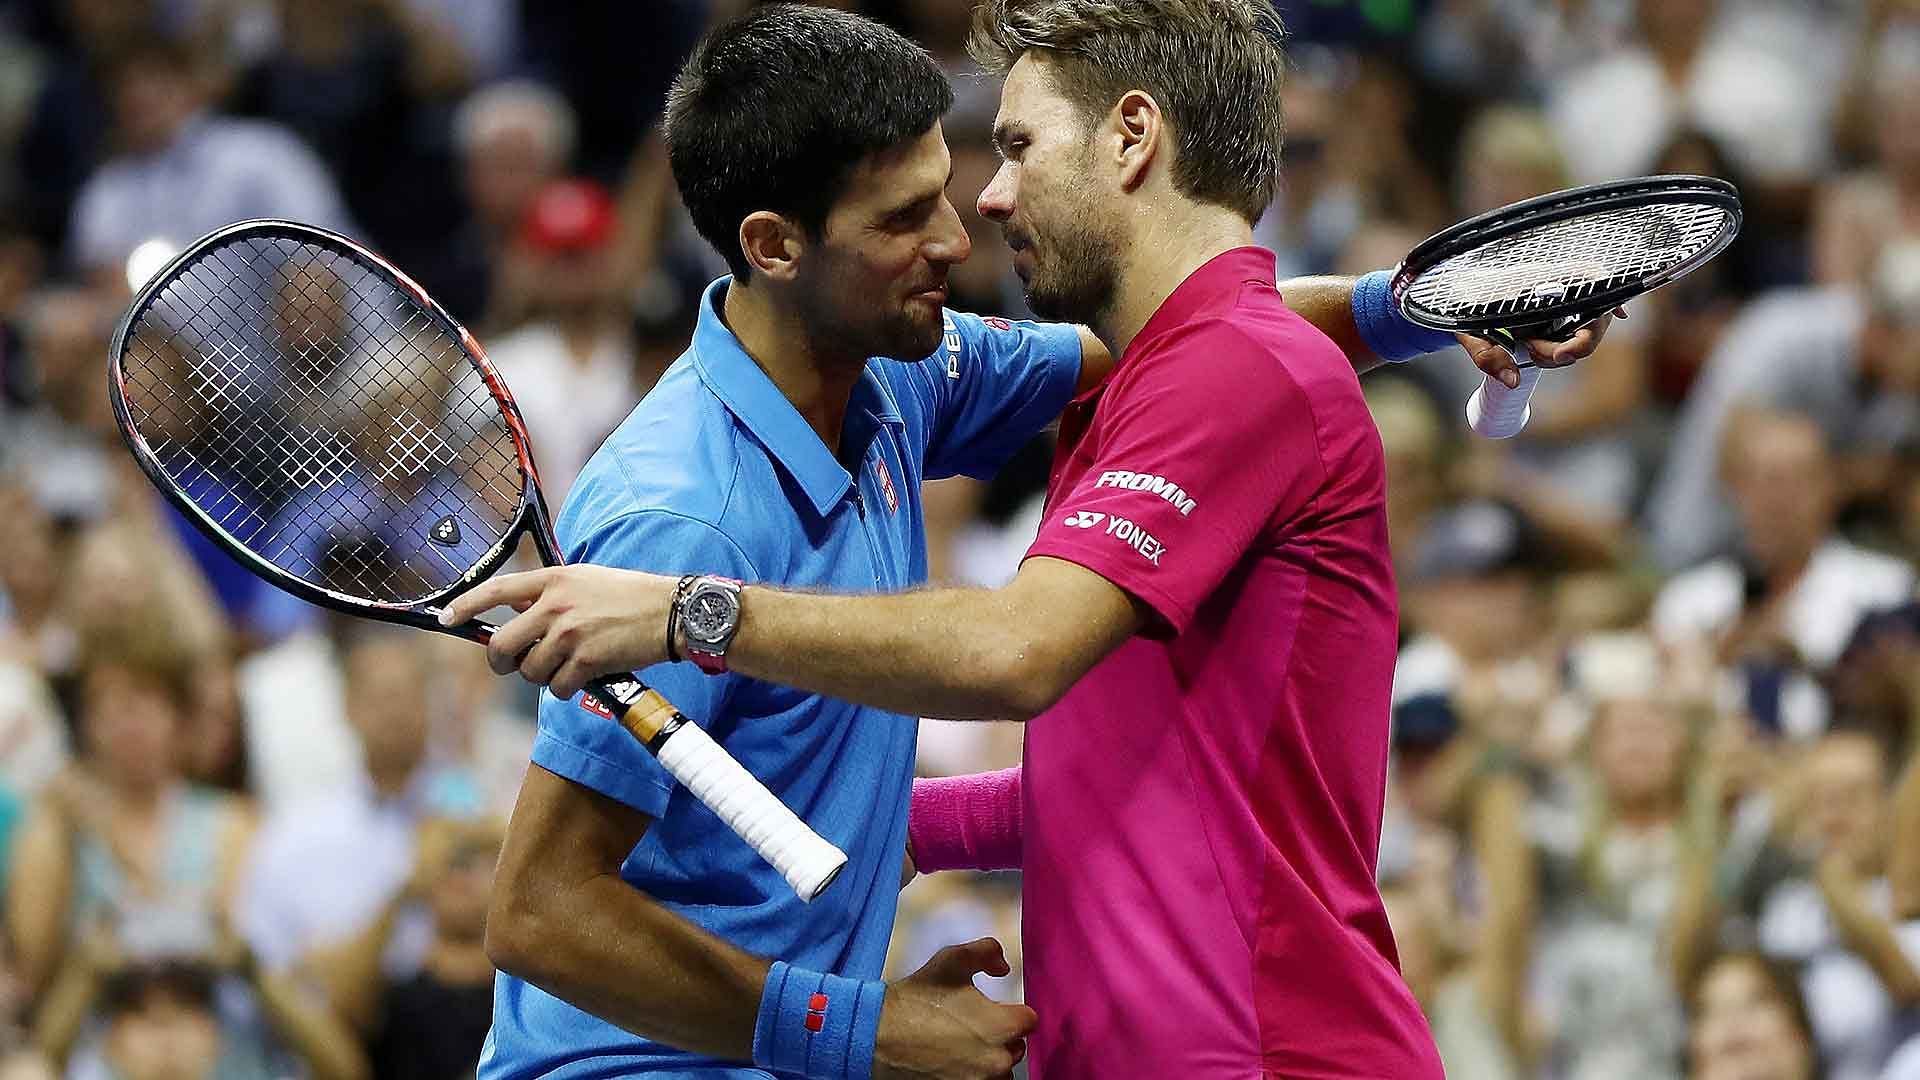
{"type": "Point", "coordinates": [569, 215]}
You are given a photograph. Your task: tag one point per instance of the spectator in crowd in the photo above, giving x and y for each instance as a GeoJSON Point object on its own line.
{"type": "Point", "coordinates": [1747, 1021]}
{"type": "Point", "coordinates": [1857, 211]}
{"type": "Point", "coordinates": [59, 447]}
{"type": "Point", "coordinates": [160, 1017]}
{"type": "Point", "coordinates": [512, 139]}
{"type": "Point", "coordinates": [433, 1024]}
{"type": "Point", "coordinates": [325, 868]}
{"type": "Point", "coordinates": [1795, 593]}
{"type": "Point", "coordinates": [614, 62]}
{"type": "Point", "coordinates": [183, 170]}
{"type": "Point", "coordinates": [123, 845]}
{"type": "Point", "coordinates": [20, 265]}
{"type": "Point", "coordinates": [481, 724]}
{"type": "Point", "coordinates": [1693, 68]}
{"type": "Point", "coordinates": [1848, 360]}
{"type": "Point", "coordinates": [1841, 924]}
{"type": "Point", "coordinates": [357, 81]}
{"type": "Point", "coordinates": [69, 131]}
{"type": "Point", "coordinates": [32, 631]}
{"type": "Point", "coordinates": [572, 368]}
{"type": "Point", "coordinates": [1609, 872]}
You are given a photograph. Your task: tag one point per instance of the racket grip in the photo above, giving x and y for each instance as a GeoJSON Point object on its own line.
{"type": "Point", "coordinates": [808, 862]}
{"type": "Point", "coordinates": [1498, 412]}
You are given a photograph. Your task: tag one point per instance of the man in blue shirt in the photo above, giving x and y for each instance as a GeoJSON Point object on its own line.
{"type": "Point", "coordinates": [787, 445]}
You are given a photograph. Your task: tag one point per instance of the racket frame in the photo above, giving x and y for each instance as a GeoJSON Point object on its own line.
{"type": "Point", "coordinates": [1560, 320]}
{"type": "Point", "coordinates": [531, 518]}
{"type": "Point", "coordinates": [624, 699]}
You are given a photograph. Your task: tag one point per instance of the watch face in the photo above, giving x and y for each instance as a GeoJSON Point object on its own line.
{"type": "Point", "coordinates": [709, 615]}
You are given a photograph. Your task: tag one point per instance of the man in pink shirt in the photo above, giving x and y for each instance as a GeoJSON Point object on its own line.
{"type": "Point", "coordinates": [1203, 634]}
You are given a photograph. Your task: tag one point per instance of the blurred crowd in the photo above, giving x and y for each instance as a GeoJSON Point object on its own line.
{"type": "Point", "coordinates": [1654, 808]}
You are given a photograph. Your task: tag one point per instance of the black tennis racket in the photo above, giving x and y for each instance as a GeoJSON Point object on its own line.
{"type": "Point", "coordinates": [330, 426]}
{"type": "Point", "coordinates": [1540, 269]}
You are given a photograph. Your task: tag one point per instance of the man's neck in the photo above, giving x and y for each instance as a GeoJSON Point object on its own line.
{"type": "Point", "coordinates": [1164, 252]}
{"type": "Point", "coordinates": [818, 385]}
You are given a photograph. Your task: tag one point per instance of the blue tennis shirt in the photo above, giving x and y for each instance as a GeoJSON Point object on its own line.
{"type": "Point", "coordinates": [716, 471]}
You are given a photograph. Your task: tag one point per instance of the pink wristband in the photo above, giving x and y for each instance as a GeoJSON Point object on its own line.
{"type": "Point", "coordinates": [966, 822]}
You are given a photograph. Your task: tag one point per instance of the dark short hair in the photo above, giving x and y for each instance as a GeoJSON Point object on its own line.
{"type": "Point", "coordinates": [188, 981]}
{"type": "Point", "coordinates": [1215, 66]}
{"type": "Point", "coordinates": [775, 109]}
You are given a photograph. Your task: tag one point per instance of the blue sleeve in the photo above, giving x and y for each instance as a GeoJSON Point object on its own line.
{"type": "Point", "coordinates": [594, 751]}
{"type": "Point", "coordinates": [994, 386]}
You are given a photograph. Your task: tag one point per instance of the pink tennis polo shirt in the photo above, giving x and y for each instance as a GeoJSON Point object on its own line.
{"type": "Point", "coordinates": [1202, 811]}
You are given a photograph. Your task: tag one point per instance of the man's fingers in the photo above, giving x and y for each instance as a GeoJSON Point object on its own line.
{"type": "Point", "coordinates": [515, 638]}
{"type": "Point", "coordinates": [544, 659]}
{"type": "Point", "coordinates": [518, 591]}
{"type": "Point", "coordinates": [959, 963]}
{"type": "Point", "coordinates": [1492, 359]}
{"type": "Point", "coordinates": [1576, 348]}
{"type": "Point", "coordinates": [572, 677]}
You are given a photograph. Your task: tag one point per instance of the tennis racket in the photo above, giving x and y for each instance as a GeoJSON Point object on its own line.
{"type": "Point", "coordinates": [330, 426]}
{"type": "Point", "coordinates": [1540, 269]}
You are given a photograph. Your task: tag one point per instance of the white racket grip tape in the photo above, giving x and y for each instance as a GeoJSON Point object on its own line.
{"type": "Point", "coordinates": [808, 862]}
{"type": "Point", "coordinates": [1497, 412]}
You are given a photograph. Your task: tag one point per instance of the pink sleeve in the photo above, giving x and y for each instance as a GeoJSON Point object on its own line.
{"type": "Point", "coordinates": [966, 822]}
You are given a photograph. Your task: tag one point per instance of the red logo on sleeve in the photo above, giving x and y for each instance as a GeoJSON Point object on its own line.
{"type": "Point", "coordinates": [998, 323]}
{"type": "Point", "coordinates": [886, 485]}
{"type": "Point", "coordinates": [816, 1012]}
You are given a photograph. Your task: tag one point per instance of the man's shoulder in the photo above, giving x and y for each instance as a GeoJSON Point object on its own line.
{"type": "Point", "coordinates": [1257, 356]}
{"type": "Point", "coordinates": [677, 453]}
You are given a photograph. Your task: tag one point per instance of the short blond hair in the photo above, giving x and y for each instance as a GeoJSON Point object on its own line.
{"type": "Point", "coordinates": [1214, 66]}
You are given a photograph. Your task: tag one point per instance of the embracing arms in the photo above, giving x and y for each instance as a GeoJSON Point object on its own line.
{"type": "Point", "coordinates": [564, 920]}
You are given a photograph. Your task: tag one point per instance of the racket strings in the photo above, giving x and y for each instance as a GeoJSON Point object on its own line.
{"type": "Point", "coordinates": [319, 415]}
{"type": "Point", "coordinates": [1569, 260]}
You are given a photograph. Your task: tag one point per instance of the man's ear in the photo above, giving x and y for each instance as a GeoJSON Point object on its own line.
{"type": "Point", "coordinates": [1141, 130]}
{"type": "Point", "coordinates": [772, 244]}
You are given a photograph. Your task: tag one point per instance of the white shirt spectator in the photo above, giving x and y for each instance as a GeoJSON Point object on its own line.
{"type": "Point", "coordinates": [322, 870]}
{"type": "Point", "coordinates": [33, 740]}
{"type": "Point", "coordinates": [1752, 86]}
{"type": "Point", "coordinates": [570, 405]}
{"type": "Point", "coordinates": [218, 171]}
{"type": "Point", "coordinates": [1796, 349]}
{"type": "Point", "coordinates": [1853, 1021]}
{"type": "Point", "coordinates": [299, 744]}
{"type": "Point", "coordinates": [1842, 584]}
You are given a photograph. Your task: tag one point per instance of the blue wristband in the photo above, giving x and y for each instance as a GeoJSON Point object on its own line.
{"type": "Point", "coordinates": [818, 1026]}
{"type": "Point", "coordinates": [1388, 333]}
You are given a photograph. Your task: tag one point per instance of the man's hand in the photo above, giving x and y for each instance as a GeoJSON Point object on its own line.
{"type": "Point", "coordinates": [575, 622]}
{"type": "Point", "coordinates": [1493, 358]}
{"type": "Point", "coordinates": [935, 1025]}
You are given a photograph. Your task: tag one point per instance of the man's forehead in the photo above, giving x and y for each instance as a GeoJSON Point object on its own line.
{"type": "Point", "coordinates": [919, 162]}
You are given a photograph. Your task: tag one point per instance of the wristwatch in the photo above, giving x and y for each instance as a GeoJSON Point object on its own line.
{"type": "Point", "coordinates": [709, 615]}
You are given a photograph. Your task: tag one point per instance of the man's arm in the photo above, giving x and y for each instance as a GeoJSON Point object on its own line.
{"type": "Point", "coordinates": [563, 919]}
{"type": "Point", "coordinates": [1327, 303]}
{"type": "Point", "coordinates": [1005, 653]}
